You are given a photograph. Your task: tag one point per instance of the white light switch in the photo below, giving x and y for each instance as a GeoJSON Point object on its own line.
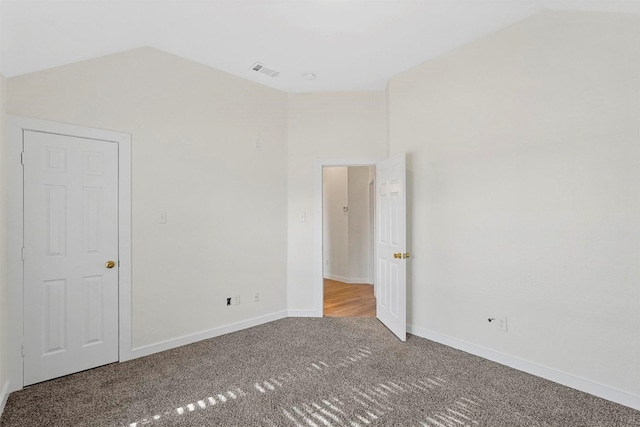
{"type": "Point", "coordinates": [162, 218]}
{"type": "Point", "coordinates": [303, 217]}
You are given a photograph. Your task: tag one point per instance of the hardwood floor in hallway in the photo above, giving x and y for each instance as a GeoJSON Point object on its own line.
{"type": "Point", "coordinates": [348, 300]}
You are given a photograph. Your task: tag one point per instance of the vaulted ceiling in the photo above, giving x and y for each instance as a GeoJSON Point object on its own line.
{"type": "Point", "coordinates": [345, 44]}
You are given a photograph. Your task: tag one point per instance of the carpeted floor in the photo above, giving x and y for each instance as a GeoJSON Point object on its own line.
{"type": "Point", "coordinates": [310, 372]}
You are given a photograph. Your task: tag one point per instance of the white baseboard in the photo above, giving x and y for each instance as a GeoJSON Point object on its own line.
{"type": "Point", "coordinates": [303, 313]}
{"type": "Point", "coordinates": [204, 335]}
{"type": "Point", "coordinates": [4, 395]}
{"type": "Point", "coordinates": [350, 280]}
{"type": "Point", "coordinates": [587, 386]}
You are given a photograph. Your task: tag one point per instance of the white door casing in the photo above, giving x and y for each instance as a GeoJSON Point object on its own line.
{"type": "Point", "coordinates": [391, 268]}
{"type": "Point", "coordinates": [70, 233]}
{"type": "Point", "coordinates": [19, 128]}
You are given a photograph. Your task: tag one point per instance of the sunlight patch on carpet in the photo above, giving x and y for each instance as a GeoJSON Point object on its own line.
{"type": "Point", "coordinates": [354, 406]}
{"type": "Point", "coordinates": [192, 407]}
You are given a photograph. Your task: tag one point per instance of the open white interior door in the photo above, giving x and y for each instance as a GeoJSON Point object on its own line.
{"type": "Point", "coordinates": [391, 237]}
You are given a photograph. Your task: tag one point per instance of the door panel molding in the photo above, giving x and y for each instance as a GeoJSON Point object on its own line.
{"type": "Point", "coordinates": [391, 306]}
{"type": "Point", "coordinates": [15, 127]}
{"type": "Point", "coordinates": [83, 218]}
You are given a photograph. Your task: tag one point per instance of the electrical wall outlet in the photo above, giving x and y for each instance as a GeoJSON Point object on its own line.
{"type": "Point", "coordinates": [256, 296]}
{"type": "Point", "coordinates": [500, 323]}
{"type": "Point", "coordinates": [229, 301]}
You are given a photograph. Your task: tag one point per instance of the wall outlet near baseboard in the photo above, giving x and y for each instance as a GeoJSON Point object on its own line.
{"type": "Point", "coordinates": [234, 300]}
{"type": "Point", "coordinates": [500, 323]}
{"type": "Point", "coordinates": [256, 296]}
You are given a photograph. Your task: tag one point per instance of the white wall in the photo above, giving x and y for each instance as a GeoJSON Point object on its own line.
{"type": "Point", "coordinates": [335, 223]}
{"type": "Point", "coordinates": [346, 234]}
{"type": "Point", "coordinates": [327, 125]}
{"type": "Point", "coordinates": [359, 254]}
{"type": "Point", "coordinates": [193, 132]}
{"type": "Point", "coordinates": [4, 352]}
{"type": "Point", "coordinates": [524, 193]}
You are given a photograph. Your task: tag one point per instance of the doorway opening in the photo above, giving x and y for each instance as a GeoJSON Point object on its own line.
{"type": "Point", "coordinates": [343, 284]}
{"type": "Point", "coordinates": [347, 241]}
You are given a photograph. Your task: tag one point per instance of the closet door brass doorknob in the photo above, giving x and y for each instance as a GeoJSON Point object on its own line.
{"type": "Point", "coordinates": [110, 264]}
{"type": "Point", "coordinates": [398, 255]}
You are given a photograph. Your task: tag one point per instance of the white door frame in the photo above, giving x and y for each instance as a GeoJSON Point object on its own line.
{"type": "Point", "coordinates": [372, 234]}
{"type": "Point", "coordinates": [15, 126]}
{"type": "Point", "coordinates": [319, 165]}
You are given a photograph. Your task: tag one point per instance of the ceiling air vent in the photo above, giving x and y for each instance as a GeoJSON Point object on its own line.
{"type": "Point", "coordinates": [264, 70]}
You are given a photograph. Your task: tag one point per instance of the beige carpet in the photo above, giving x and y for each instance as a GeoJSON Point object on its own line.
{"type": "Point", "coordinates": [310, 372]}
